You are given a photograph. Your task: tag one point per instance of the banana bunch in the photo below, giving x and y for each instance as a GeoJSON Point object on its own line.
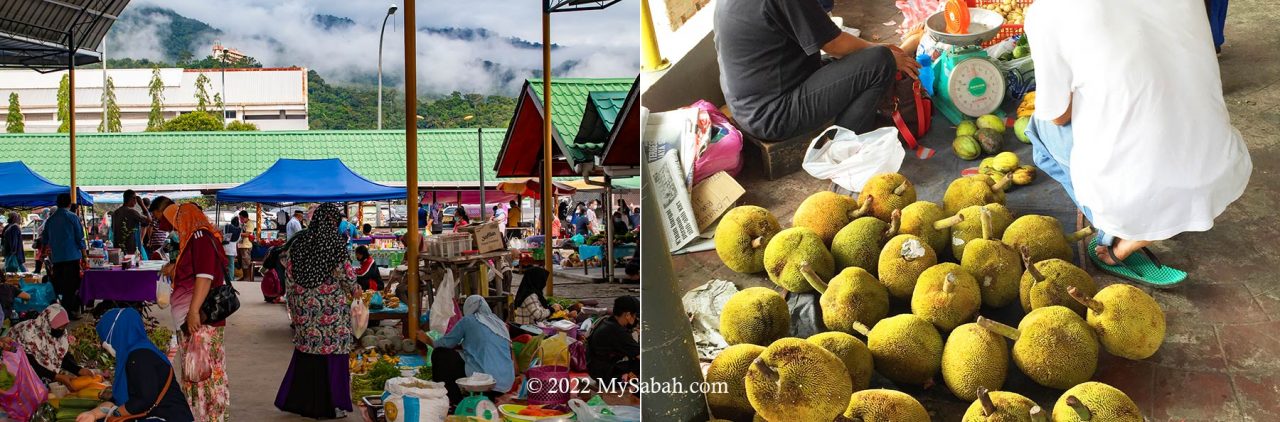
{"type": "Point", "coordinates": [392, 301]}
{"type": "Point", "coordinates": [1028, 105]}
{"type": "Point", "coordinates": [1009, 9]}
{"type": "Point", "coordinates": [360, 363]}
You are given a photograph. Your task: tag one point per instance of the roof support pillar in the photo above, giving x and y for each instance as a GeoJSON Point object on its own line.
{"type": "Point", "coordinates": [411, 235]}
{"type": "Point", "coordinates": [546, 147]}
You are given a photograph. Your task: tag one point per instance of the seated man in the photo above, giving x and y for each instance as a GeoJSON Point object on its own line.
{"type": "Point", "coordinates": [613, 353]}
{"type": "Point", "coordinates": [773, 77]}
{"type": "Point", "coordinates": [1136, 131]}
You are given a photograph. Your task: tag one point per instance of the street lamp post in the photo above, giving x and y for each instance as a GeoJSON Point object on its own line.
{"type": "Point", "coordinates": [390, 11]}
{"type": "Point", "coordinates": [480, 148]}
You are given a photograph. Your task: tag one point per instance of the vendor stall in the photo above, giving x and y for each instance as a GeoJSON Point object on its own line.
{"type": "Point", "coordinates": [24, 187]}
{"type": "Point", "coordinates": [119, 285]}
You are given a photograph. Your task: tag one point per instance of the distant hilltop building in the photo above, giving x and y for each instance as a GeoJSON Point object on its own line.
{"type": "Point", "coordinates": [226, 54]}
{"type": "Point", "coordinates": [271, 98]}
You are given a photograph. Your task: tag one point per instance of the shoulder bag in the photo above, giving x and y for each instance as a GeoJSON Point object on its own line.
{"type": "Point", "coordinates": [159, 398]}
{"type": "Point", "coordinates": [907, 106]}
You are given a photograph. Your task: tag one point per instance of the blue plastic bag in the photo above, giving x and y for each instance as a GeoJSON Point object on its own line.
{"type": "Point", "coordinates": [375, 302]}
{"type": "Point", "coordinates": [42, 296]}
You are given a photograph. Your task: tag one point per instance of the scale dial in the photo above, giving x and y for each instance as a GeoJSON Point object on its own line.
{"type": "Point", "coordinates": [976, 87]}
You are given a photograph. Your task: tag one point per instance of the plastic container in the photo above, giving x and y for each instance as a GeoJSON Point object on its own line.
{"type": "Point", "coordinates": [586, 252]}
{"type": "Point", "coordinates": [1008, 29]}
{"type": "Point", "coordinates": [448, 244]}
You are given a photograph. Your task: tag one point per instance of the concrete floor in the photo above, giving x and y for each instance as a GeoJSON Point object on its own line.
{"type": "Point", "coordinates": [1221, 357]}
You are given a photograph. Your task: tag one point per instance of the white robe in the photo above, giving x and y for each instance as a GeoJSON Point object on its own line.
{"type": "Point", "coordinates": [1155, 153]}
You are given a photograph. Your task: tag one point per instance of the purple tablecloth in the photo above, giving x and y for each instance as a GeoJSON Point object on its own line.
{"type": "Point", "coordinates": [126, 286]}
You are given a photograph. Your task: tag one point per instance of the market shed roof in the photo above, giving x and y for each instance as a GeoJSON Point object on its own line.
{"type": "Point", "coordinates": [522, 149]}
{"type": "Point", "coordinates": [41, 34]}
{"type": "Point", "coordinates": [623, 146]}
{"type": "Point", "coordinates": [597, 121]}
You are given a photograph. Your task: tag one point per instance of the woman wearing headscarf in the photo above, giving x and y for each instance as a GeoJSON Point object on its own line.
{"type": "Point", "coordinates": [486, 348]}
{"type": "Point", "coordinates": [15, 257]}
{"type": "Point", "coordinates": [44, 341]}
{"type": "Point", "coordinates": [322, 285]}
{"type": "Point", "coordinates": [531, 306]}
{"type": "Point", "coordinates": [199, 267]}
{"type": "Point", "coordinates": [157, 239]}
{"type": "Point", "coordinates": [144, 382]}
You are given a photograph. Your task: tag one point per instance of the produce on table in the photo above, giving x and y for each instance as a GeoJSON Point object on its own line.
{"type": "Point", "coordinates": [928, 221]}
{"type": "Point", "coordinates": [887, 192]}
{"type": "Point", "coordinates": [858, 244]}
{"type": "Point", "coordinates": [755, 315]}
{"type": "Point", "coordinates": [1013, 13]}
{"type": "Point", "coordinates": [946, 296]}
{"type": "Point", "coordinates": [375, 380]}
{"type": "Point", "coordinates": [1028, 106]}
{"type": "Point", "coordinates": [853, 352]}
{"type": "Point", "coordinates": [1002, 406]}
{"type": "Point", "coordinates": [1095, 401]}
{"type": "Point", "coordinates": [852, 297]}
{"type": "Point", "coordinates": [1128, 321]}
{"type": "Point", "coordinates": [973, 190]}
{"type": "Point", "coordinates": [1005, 162]}
{"type": "Point", "coordinates": [1044, 236]}
{"type": "Point", "coordinates": [966, 147]}
{"type": "Point", "coordinates": [791, 247]}
{"type": "Point", "coordinates": [742, 235]}
{"type": "Point", "coordinates": [885, 405]}
{"type": "Point", "coordinates": [1020, 128]}
{"type": "Point", "coordinates": [986, 166]}
{"type": "Point", "coordinates": [1024, 175]}
{"type": "Point", "coordinates": [990, 140]}
{"type": "Point", "coordinates": [996, 266]}
{"type": "Point", "coordinates": [797, 381]}
{"type": "Point", "coordinates": [1046, 283]}
{"type": "Point", "coordinates": [966, 128]}
{"type": "Point", "coordinates": [991, 122]}
{"type": "Point", "coordinates": [360, 363]}
{"type": "Point", "coordinates": [826, 213]}
{"type": "Point", "coordinates": [974, 359]}
{"type": "Point", "coordinates": [902, 261]}
{"type": "Point", "coordinates": [1052, 345]}
{"type": "Point", "coordinates": [730, 367]}
{"type": "Point", "coordinates": [906, 349]}
{"type": "Point", "coordinates": [424, 373]}
{"type": "Point", "coordinates": [971, 228]}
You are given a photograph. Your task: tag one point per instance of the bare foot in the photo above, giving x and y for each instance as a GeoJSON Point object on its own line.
{"type": "Point", "coordinates": [1122, 248]}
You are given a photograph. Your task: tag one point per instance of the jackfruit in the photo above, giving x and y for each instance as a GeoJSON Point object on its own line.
{"type": "Point", "coordinates": [730, 367]}
{"type": "Point", "coordinates": [742, 235]}
{"type": "Point", "coordinates": [996, 266]}
{"type": "Point", "coordinates": [1046, 282]}
{"type": "Point", "coordinates": [906, 349]}
{"type": "Point", "coordinates": [972, 190]}
{"type": "Point", "coordinates": [1052, 345]}
{"type": "Point", "coordinates": [926, 220]}
{"type": "Point", "coordinates": [885, 405]}
{"type": "Point", "coordinates": [974, 358]}
{"type": "Point", "coordinates": [853, 352]}
{"type": "Point", "coordinates": [826, 213]}
{"type": "Point", "coordinates": [798, 381]}
{"type": "Point", "coordinates": [852, 297]}
{"type": "Point", "coordinates": [902, 261]}
{"type": "Point", "coordinates": [1129, 322]}
{"type": "Point", "coordinates": [971, 228]}
{"type": "Point", "coordinates": [1005, 162]}
{"type": "Point", "coordinates": [789, 248]}
{"type": "Point", "coordinates": [1000, 406]}
{"type": "Point", "coordinates": [755, 315]}
{"type": "Point", "coordinates": [858, 244]}
{"type": "Point", "coordinates": [892, 191]}
{"type": "Point", "coordinates": [946, 296]}
{"type": "Point", "coordinates": [1095, 401]}
{"type": "Point", "coordinates": [1043, 235]}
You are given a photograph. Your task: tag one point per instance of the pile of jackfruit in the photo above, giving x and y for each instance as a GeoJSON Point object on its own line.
{"type": "Point", "coordinates": [947, 262]}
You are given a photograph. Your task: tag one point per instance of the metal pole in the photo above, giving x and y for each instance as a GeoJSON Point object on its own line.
{"type": "Point", "coordinates": [608, 230]}
{"type": "Point", "coordinates": [650, 57]}
{"type": "Point", "coordinates": [380, 36]}
{"type": "Point", "coordinates": [71, 110]}
{"type": "Point", "coordinates": [480, 144]}
{"type": "Point", "coordinates": [411, 160]}
{"type": "Point", "coordinates": [546, 145]}
{"type": "Point", "coordinates": [104, 85]}
{"type": "Point", "coordinates": [222, 66]}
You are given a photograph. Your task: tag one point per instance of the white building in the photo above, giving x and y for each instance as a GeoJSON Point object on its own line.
{"type": "Point", "coordinates": [271, 98]}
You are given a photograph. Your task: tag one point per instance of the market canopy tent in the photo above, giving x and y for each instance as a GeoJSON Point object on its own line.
{"type": "Point", "coordinates": [323, 180]}
{"type": "Point", "coordinates": [23, 187]}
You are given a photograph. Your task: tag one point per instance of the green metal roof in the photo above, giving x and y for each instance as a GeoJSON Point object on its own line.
{"type": "Point", "coordinates": [607, 105]}
{"type": "Point", "coordinates": [597, 121]}
{"type": "Point", "coordinates": [569, 97]}
{"type": "Point", "coordinates": [446, 157]}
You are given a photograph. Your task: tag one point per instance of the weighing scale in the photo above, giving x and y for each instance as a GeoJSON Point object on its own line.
{"type": "Point", "coordinates": [476, 404]}
{"type": "Point", "coordinates": [967, 83]}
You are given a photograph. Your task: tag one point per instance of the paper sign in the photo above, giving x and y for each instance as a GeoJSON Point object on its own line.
{"type": "Point", "coordinates": [713, 196]}
{"type": "Point", "coordinates": [677, 212]}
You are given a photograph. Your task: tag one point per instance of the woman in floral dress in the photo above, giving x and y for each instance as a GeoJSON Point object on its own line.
{"type": "Point", "coordinates": [322, 285]}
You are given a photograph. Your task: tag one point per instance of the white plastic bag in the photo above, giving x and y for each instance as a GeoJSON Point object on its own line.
{"type": "Point", "coordinates": [163, 292]}
{"type": "Point", "coordinates": [442, 308]}
{"type": "Point", "coordinates": [587, 413]}
{"type": "Point", "coordinates": [408, 399]}
{"type": "Point", "coordinates": [359, 317]}
{"type": "Point", "coordinates": [850, 159]}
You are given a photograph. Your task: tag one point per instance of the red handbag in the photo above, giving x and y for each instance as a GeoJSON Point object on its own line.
{"type": "Point", "coordinates": [907, 106]}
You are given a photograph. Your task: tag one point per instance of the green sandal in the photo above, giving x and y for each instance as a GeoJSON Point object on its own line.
{"type": "Point", "coordinates": [1142, 268]}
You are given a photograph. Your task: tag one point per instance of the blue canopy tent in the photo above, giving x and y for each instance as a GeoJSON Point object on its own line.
{"type": "Point", "coordinates": [295, 180]}
{"type": "Point", "coordinates": [24, 187]}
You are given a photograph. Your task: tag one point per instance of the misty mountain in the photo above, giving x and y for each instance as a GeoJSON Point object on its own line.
{"type": "Point", "coordinates": [180, 32]}
{"type": "Point", "coordinates": [481, 34]}
{"type": "Point", "coordinates": [331, 22]}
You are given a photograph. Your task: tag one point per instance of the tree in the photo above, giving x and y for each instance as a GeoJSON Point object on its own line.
{"type": "Point", "coordinates": [202, 93]}
{"type": "Point", "coordinates": [13, 124]}
{"type": "Point", "coordinates": [112, 123]}
{"type": "Point", "coordinates": [196, 121]}
{"type": "Point", "coordinates": [237, 125]}
{"type": "Point", "coordinates": [217, 102]}
{"type": "Point", "coordinates": [64, 115]}
{"type": "Point", "coordinates": [155, 119]}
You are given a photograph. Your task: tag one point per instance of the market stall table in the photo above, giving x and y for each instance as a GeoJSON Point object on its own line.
{"type": "Point", "coordinates": [400, 313]}
{"type": "Point", "coordinates": [119, 285]}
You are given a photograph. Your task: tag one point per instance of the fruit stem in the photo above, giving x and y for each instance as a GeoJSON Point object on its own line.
{"type": "Point", "coordinates": [1077, 236]}
{"type": "Point", "coordinates": [984, 396]}
{"type": "Point", "coordinates": [862, 209]}
{"type": "Point", "coordinates": [984, 215]}
{"type": "Point", "coordinates": [1031, 265]}
{"type": "Point", "coordinates": [757, 242]}
{"type": "Point", "coordinates": [902, 187]}
{"type": "Point", "coordinates": [1080, 408]}
{"type": "Point", "coordinates": [1088, 302]}
{"type": "Point", "coordinates": [1037, 414]}
{"type": "Point", "coordinates": [948, 222]}
{"type": "Point", "coordinates": [895, 220]}
{"type": "Point", "coordinates": [812, 278]}
{"type": "Point", "coordinates": [998, 328]}
{"type": "Point", "coordinates": [1003, 183]}
{"type": "Point", "coordinates": [861, 328]}
{"type": "Point", "coordinates": [949, 285]}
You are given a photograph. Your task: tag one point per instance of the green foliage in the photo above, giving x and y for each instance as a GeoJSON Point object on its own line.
{"type": "Point", "coordinates": [353, 107]}
{"type": "Point", "coordinates": [195, 121]}
{"type": "Point", "coordinates": [155, 119]}
{"type": "Point", "coordinates": [449, 112]}
{"type": "Point", "coordinates": [13, 123]}
{"type": "Point", "coordinates": [202, 93]}
{"type": "Point", "coordinates": [112, 123]}
{"type": "Point", "coordinates": [63, 99]}
{"type": "Point", "coordinates": [176, 35]}
{"type": "Point", "coordinates": [237, 125]}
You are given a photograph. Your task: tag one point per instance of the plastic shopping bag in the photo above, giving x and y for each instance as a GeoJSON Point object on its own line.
{"type": "Point", "coordinates": [196, 367]}
{"type": "Point", "coordinates": [164, 291]}
{"type": "Point", "coordinates": [718, 154]}
{"type": "Point", "coordinates": [359, 317]}
{"type": "Point", "coordinates": [442, 307]}
{"type": "Point", "coordinates": [555, 350]}
{"type": "Point", "coordinates": [849, 159]}
{"type": "Point", "coordinates": [408, 399]}
{"type": "Point", "coordinates": [21, 400]}
{"type": "Point", "coordinates": [601, 412]}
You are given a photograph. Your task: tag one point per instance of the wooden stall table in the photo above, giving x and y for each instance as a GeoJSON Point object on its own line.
{"type": "Point", "coordinates": [461, 265]}
{"type": "Point", "coordinates": [400, 313]}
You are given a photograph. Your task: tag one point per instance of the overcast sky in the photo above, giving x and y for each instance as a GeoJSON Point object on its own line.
{"type": "Point", "coordinates": [605, 43]}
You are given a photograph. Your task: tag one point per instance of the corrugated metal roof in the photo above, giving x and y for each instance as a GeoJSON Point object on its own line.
{"type": "Point", "coordinates": [568, 104]}
{"type": "Point", "coordinates": [623, 146]}
{"type": "Point", "coordinates": [39, 33]}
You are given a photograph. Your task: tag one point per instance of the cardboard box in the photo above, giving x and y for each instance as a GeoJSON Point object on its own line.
{"type": "Point", "coordinates": [488, 237]}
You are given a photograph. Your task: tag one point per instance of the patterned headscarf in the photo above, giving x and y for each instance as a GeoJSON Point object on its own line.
{"type": "Point", "coordinates": [318, 250]}
{"type": "Point", "coordinates": [186, 219]}
{"type": "Point", "coordinates": [37, 340]}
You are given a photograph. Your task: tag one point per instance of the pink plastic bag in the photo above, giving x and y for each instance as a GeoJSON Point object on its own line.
{"type": "Point", "coordinates": [722, 155]}
{"type": "Point", "coordinates": [915, 12]}
{"type": "Point", "coordinates": [359, 317]}
{"type": "Point", "coordinates": [20, 401]}
{"type": "Point", "coordinates": [195, 363]}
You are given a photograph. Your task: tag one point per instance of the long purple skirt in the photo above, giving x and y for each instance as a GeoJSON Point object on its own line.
{"type": "Point", "coordinates": [316, 385]}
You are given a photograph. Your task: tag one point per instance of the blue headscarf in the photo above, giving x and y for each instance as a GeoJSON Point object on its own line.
{"type": "Point", "coordinates": [127, 336]}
